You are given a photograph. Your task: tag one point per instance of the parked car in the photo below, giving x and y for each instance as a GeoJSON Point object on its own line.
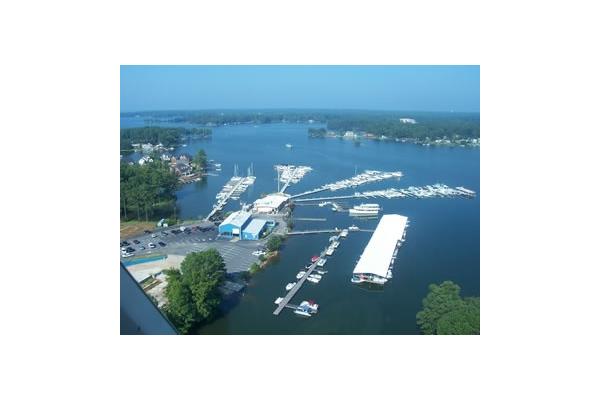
{"type": "Point", "coordinates": [142, 248]}
{"type": "Point", "coordinates": [124, 243]}
{"type": "Point", "coordinates": [162, 244]}
{"type": "Point", "coordinates": [154, 235]}
{"type": "Point", "coordinates": [125, 255]}
{"type": "Point", "coordinates": [147, 231]}
{"type": "Point", "coordinates": [151, 245]}
{"type": "Point", "coordinates": [164, 233]}
{"type": "Point", "coordinates": [136, 241]}
{"type": "Point", "coordinates": [130, 249]}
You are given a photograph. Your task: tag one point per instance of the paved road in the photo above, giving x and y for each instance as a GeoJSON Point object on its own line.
{"type": "Point", "coordinates": [237, 255]}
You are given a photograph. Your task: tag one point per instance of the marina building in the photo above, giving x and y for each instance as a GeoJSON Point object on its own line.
{"type": "Point", "coordinates": [254, 229]}
{"type": "Point", "coordinates": [242, 225]}
{"type": "Point", "coordinates": [234, 223]}
{"type": "Point", "coordinates": [377, 259]}
{"type": "Point", "coordinates": [271, 203]}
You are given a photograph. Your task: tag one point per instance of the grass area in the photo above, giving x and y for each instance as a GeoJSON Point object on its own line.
{"type": "Point", "coordinates": [134, 228]}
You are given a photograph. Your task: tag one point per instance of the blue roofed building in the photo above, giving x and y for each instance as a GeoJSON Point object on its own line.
{"type": "Point", "coordinates": [234, 224]}
{"type": "Point", "coordinates": [254, 229]}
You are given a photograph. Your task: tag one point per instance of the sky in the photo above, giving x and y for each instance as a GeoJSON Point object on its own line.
{"type": "Point", "coordinates": [402, 88]}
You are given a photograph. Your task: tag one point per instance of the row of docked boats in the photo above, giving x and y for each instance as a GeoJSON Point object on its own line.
{"type": "Point", "coordinates": [437, 190]}
{"type": "Point", "coordinates": [292, 173]}
{"type": "Point", "coordinates": [379, 280]}
{"type": "Point", "coordinates": [366, 177]}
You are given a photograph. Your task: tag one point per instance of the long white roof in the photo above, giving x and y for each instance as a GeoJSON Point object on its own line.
{"type": "Point", "coordinates": [379, 251]}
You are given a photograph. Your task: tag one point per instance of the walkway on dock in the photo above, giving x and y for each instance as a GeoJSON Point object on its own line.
{"type": "Point", "coordinates": [310, 219]}
{"type": "Point", "coordinates": [325, 231]}
{"type": "Point", "coordinates": [223, 201]}
{"type": "Point", "coordinates": [308, 192]}
{"type": "Point", "coordinates": [296, 287]}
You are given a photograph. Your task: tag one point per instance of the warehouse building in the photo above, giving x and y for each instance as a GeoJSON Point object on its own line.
{"type": "Point", "coordinates": [254, 229]}
{"type": "Point", "coordinates": [235, 223]}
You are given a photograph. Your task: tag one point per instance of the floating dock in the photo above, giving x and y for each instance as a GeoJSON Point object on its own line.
{"type": "Point", "coordinates": [379, 255]}
{"type": "Point", "coordinates": [293, 290]}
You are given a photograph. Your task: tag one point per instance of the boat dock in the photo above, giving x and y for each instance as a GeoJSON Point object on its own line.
{"type": "Point", "coordinates": [310, 219]}
{"type": "Point", "coordinates": [335, 230]}
{"type": "Point", "coordinates": [295, 289]}
{"type": "Point", "coordinates": [377, 260]}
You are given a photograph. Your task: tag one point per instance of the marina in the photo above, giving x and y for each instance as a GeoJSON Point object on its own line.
{"type": "Point", "coordinates": [376, 262]}
{"type": "Point", "coordinates": [253, 314]}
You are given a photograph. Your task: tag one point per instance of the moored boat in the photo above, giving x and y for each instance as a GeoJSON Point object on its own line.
{"type": "Point", "coordinates": [290, 285]}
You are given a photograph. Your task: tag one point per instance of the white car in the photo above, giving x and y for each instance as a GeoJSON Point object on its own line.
{"type": "Point", "coordinates": [154, 235]}
{"type": "Point", "coordinates": [152, 245]}
{"type": "Point", "coordinates": [125, 255]}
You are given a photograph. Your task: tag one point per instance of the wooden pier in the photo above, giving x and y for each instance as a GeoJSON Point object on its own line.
{"type": "Point", "coordinates": [293, 291]}
{"type": "Point", "coordinates": [308, 192]}
{"type": "Point", "coordinates": [310, 219]}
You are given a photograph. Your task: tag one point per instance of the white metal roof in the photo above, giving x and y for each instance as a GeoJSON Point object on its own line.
{"type": "Point", "coordinates": [255, 226]}
{"type": "Point", "coordinates": [378, 254]}
{"type": "Point", "coordinates": [237, 218]}
{"type": "Point", "coordinates": [272, 200]}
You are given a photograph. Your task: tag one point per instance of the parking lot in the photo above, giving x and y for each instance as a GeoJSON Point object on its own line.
{"type": "Point", "coordinates": [237, 254]}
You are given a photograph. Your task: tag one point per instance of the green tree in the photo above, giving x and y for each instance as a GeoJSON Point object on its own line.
{"type": "Point", "coordinates": [445, 312]}
{"type": "Point", "coordinates": [192, 293]}
{"type": "Point", "coordinates": [274, 242]}
{"type": "Point", "coordinates": [200, 159]}
{"type": "Point", "coordinates": [179, 308]}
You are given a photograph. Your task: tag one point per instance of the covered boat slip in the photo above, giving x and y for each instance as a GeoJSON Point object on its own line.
{"type": "Point", "coordinates": [377, 256]}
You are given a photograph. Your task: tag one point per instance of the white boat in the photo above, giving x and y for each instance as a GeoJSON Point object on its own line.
{"type": "Point", "coordinates": [344, 233]}
{"type": "Point", "coordinates": [290, 285]}
{"type": "Point", "coordinates": [313, 280]}
{"type": "Point", "coordinates": [329, 251]}
{"type": "Point", "coordinates": [315, 276]}
{"type": "Point", "coordinates": [278, 300]}
{"type": "Point", "coordinates": [323, 204]}
{"type": "Point", "coordinates": [310, 306]}
{"type": "Point", "coordinates": [365, 209]}
{"type": "Point", "coordinates": [320, 271]}
{"type": "Point", "coordinates": [353, 228]}
{"type": "Point", "coordinates": [389, 274]}
{"type": "Point", "coordinates": [301, 311]}
{"type": "Point", "coordinates": [300, 274]}
{"type": "Point", "coordinates": [321, 262]}
{"type": "Point", "coordinates": [336, 244]}
{"type": "Point", "coordinates": [289, 146]}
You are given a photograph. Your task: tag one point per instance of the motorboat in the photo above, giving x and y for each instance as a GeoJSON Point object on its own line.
{"type": "Point", "coordinates": [300, 274]}
{"type": "Point", "coordinates": [315, 276]}
{"type": "Point", "coordinates": [310, 306]}
{"type": "Point", "coordinates": [290, 285]}
{"type": "Point", "coordinates": [330, 251]}
{"type": "Point", "coordinates": [353, 228]}
{"type": "Point", "coordinates": [336, 244]}
{"type": "Point", "coordinates": [344, 233]}
{"type": "Point", "coordinates": [321, 262]}
{"type": "Point", "coordinates": [314, 259]}
{"type": "Point", "coordinates": [320, 271]}
{"type": "Point", "coordinates": [278, 300]}
{"type": "Point", "coordinates": [313, 280]}
{"type": "Point", "coordinates": [302, 311]}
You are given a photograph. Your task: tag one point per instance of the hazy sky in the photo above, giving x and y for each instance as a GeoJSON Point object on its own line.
{"type": "Point", "coordinates": [410, 88]}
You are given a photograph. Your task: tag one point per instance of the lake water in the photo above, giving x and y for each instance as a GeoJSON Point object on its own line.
{"type": "Point", "coordinates": [442, 242]}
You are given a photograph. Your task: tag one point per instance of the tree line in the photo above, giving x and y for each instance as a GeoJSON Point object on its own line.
{"type": "Point", "coordinates": [147, 190]}
{"type": "Point", "coordinates": [155, 134]}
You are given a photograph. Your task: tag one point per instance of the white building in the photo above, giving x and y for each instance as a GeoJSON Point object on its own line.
{"type": "Point", "coordinates": [271, 203]}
